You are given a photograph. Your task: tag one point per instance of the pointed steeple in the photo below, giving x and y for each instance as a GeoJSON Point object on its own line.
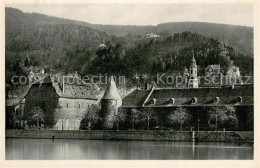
{"type": "Point", "coordinates": [193, 61]}
{"type": "Point", "coordinates": [111, 92]}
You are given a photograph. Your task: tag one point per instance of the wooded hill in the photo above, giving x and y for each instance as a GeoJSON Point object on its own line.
{"type": "Point", "coordinates": [74, 46]}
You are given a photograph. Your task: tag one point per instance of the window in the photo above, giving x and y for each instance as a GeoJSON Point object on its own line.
{"type": "Point", "coordinates": [171, 101]}
{"type": "Point", "coordinates": [194, 100]}
{"type": "Point", "coordinates": [239, 99]}
{"type": "Point", "coordinates": [79, 106]}
{"type": "Point", "coordinates": [113, 102]}
{"type": "Point", "coordinates": [153, 101]}
{"type": "Point", "coordinates": [216, 99]}
{"type": "Point", "coordinates": [67, 105]}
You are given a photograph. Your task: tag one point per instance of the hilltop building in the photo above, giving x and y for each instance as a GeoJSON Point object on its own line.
{"type": "Point", "coordinates": [212, 70]}
{"type": "Point", "coordinates": [102, 45]}
{"type": "Point", "coordinates": [151, 35]}
{"type": "Point", "coordinates": [233, 74]}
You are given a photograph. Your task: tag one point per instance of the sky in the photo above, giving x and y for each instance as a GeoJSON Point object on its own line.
{"type": "Point", "coordinates": [146, 14]}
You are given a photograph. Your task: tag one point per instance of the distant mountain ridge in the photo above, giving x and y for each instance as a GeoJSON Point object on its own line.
{"type": "Point", "coordinates": [238, 37]}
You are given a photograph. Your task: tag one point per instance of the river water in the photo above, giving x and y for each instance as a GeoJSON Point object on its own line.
{"type": "Point", "coordinates": [68, 149]}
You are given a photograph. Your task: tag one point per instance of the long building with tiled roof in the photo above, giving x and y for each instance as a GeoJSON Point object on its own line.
{"type": "Point", "coordinates": [236, 95]}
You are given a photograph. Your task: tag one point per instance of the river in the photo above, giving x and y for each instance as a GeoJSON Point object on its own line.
{"type": "Point", "coordinates": [70, 149]}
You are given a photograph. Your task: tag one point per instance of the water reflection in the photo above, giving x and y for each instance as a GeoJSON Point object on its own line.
{"type": "Point", "coordinates": [62, 149]}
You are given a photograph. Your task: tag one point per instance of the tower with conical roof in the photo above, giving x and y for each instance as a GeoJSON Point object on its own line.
{"type": "Point", "coordinates": [193, 78]}
{"type": "Point", "coordinates": [110, 103]}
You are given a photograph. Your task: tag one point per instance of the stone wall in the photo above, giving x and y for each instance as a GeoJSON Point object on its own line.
{"type": "Point", "coordinates": [131, 135]}
{"type": "Point", "coordinates": [70, 113]}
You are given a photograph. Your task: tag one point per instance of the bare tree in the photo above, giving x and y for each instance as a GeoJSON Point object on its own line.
{"type": "Point", "coordinates": [222, 114]}
{"type": "Point", "coordinates": [120, 116]}
{"type": "Point", "coordinates": [180, 116]}
{"type": "Point", "coordinates": [91, 115]}
{"type": "Point", "coordinates": [134, 116]}
{"type": "Point", "coordinates": [148, 114]}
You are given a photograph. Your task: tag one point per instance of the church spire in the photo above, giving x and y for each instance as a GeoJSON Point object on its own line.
{"type": "Point", "coordinates": [193, 79]}
{"type": "Point", "coordinates": [193, 61]}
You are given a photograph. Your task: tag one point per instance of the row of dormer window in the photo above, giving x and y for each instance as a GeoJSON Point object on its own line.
{"type": "Point", "coordinates": [194, 100]}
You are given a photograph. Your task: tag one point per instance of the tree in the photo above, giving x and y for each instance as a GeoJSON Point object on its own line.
{"type": "Point", "coordinates": [223, 115]}
{"type": "Point", "coordinates": [38, 115]}
{"type": "Point", "coordinates": [134, 116]}
{"type": "Point", "coordinates": [120, 116]}
{"type": "Point", "coordinates": [44, 97]}
{"type": "Point", "coordinates": [148, 114]}
{"type": "Point", "coordinates": [91, 115]}
{"type": "Point", "coordinates": [180, 116]}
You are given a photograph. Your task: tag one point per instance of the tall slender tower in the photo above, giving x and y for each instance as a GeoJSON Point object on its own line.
{"type": "Point", "coordinates": [193, 78]}
{"type": "Point", "coordinates": [110, 103]}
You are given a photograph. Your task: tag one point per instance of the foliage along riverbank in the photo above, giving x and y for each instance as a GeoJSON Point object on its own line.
{"type": "Point", "coordinates": [201, 136]}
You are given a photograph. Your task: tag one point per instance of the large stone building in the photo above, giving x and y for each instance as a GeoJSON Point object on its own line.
{"type": "Point", "coordinates": [73, 101]}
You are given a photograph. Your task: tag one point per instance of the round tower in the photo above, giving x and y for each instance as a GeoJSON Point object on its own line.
{"type": "Point", "coordinates": [110, 103]}
{"type": "Point", "coordinates": [193, 78]}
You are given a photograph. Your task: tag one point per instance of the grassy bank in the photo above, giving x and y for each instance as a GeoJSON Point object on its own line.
{"type": "Point", "coordinates": [209, 136]}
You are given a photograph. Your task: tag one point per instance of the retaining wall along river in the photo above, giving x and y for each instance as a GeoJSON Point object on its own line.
{"type": "Point", "coordinates": [202, 136]}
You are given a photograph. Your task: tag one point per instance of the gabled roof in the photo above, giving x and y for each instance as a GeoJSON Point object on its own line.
{"type": "Point", "coordinates": [135, 98]}
{"type": "Point", "coordinates": [111, 92]}
{"type": "Point", "coordinates": [183, 97]}
{"type": "Point", "coordinates": [213, 67]}
{"type": "Point", "coordinates": [76, 91]}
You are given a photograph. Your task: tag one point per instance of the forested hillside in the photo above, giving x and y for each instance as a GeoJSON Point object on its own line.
{"type": "Point", "coordinates": [70, 46]}
{"type": "Point", "coordinates": [171, 54]}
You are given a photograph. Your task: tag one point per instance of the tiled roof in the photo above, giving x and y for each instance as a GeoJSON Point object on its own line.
{"type": "Point", "coordinates": [111, 91]}
{"type": "Point", "coordinates": [135, 98]}
{"type": "Point", "coordinates": [86, 91]}
{"type": "Point", "coordinates": [214, 67]}
{"type": "Point", "coordinates": [80, 91]}
{"type": "Point", "coordinates": [204, 96]}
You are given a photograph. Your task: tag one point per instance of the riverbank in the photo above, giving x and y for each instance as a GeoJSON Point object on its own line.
{"type": "Point", "coordinates": [201, 136]}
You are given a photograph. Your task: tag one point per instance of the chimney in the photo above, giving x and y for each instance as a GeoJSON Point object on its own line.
{"type": "Point", "coordinates": [63, 84]}
{"type": "Point", "coordinates": [147, 86]}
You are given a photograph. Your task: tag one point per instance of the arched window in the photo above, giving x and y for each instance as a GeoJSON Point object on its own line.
{"type": "Point", "coordinates": [194, 100]}
{"type": "Point", "coordinates": [239, 99]}
{"type": "Point", "coordinates": [171, 101]}
{"type": "Point", "coordinates": [153, 101]}
{"type": "Point", "coordinates": [216, 99]}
